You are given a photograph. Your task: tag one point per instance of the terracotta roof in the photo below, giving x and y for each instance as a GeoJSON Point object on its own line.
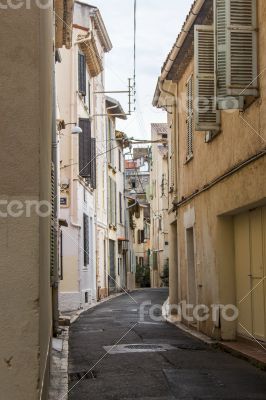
{"type": "Point", "coordinates": [160, 127]}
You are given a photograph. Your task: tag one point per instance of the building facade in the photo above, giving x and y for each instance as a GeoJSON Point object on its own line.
{"type": "Point", "coordinates": [214, 93]}
{"type": "Point", "coordinates": [137, 186]}
{"type": "Point", "coordinates": [116, 206]}
{"type": "Point", "coordinates": [26, 194]}
{"type": "Point", "coordinates": [159, 195]}
{"type": "Point", "coordinates": [80, 83]}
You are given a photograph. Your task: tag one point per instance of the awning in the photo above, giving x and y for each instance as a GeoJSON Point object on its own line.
{"type": "Point", "coordinates": [88, 47]}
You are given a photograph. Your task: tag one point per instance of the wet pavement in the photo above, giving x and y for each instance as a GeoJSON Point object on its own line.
{"type": "Point", "coordinates": [117, 353]}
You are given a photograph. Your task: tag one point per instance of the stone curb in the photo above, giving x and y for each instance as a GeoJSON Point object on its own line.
{"type": "Point", "coordinates": [197, 335]}
{"type": "Point", "coordinates": [224, 346]}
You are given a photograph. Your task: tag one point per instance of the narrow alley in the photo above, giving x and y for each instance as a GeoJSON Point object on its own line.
{"type": "Point", "coordinates": [186, 369]}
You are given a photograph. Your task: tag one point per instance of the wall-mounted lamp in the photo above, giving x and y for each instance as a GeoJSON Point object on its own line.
{"type": "Point", "coordinates": [74, 130]}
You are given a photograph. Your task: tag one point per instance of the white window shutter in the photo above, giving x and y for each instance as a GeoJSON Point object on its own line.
{"type": "Point", "coordinates": [236, 41]}
{"type": "Point", "coordinates": [207, 118]}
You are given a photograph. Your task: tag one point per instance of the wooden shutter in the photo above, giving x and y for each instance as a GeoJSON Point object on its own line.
{"type": "Point", "coordinates": [236, 41]}
{"type": "Point", "coordinates": [93, 163]}
{"type": "Point", "coordinates": [82, 74]}
{"type": "Point", "coordinates": [207, 118]}
{"type": "Point", "coordinates": [86, 239]}
{"type": "Point", "coordinates": [53, 233]}
{"type": "Point", "coordinates": [85, 148]}
{"type": "Point", "coordinates": [109, 200]}
{"type": "Point", "coordinates": [114, 202]}
{"type": "Point", "coordinates": [189, 120]}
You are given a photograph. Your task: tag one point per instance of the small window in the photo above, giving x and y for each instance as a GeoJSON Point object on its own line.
{"type": "Point", "coordinates": [82, 74]}
{"type": "Point", "coordinates": [86, 297]}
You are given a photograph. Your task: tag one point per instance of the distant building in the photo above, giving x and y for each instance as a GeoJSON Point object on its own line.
{"type": "Point", "coordinates": [159, 197]}
{"type": "Point", "coordinates": [137, 186]}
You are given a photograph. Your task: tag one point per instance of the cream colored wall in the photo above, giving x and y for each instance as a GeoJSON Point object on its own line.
{"type": "Point", "coordinates": [159, 207]}
{"type": "Point", "coordinates": [213, 227]}
{"type": "Point", "coordinates": [25, 294]}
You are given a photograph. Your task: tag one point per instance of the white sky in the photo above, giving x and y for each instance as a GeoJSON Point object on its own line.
{"type": "Point", "coordinates": [158, 24]}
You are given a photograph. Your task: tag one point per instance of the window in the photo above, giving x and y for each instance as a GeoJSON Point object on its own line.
{"type": "Point", "coordinates": [89, 97]}
{"type": "Point", "coordinates": [119, 160]}
{"type": "Point", "coordinates": [120, 208]}
{"type": "Point", "coordinates": [207, 118]}
{"type": "Point", "coordinates": [119, 266]}
{"type": "Point", "coordinates": [86, 240]}
{"type": "Point", "coordinates": [87, 153]}
{"type": "Point", "coordinates": [141, 236]}
{"type": "Point", "coordinates": [86, 297]}
{"type": "Point", "coordinates": [111, 201]}
{"type": "Point", "coordinates": [189, 119]}
{"type": "Point", "coordinates": [133, 183]}
{"type": "Point", "coordinates": [110, 153]}
{"type": "Point", "coordinates": [236, 47]}
{"type": "Point", "coordinates": [82, 74]}
{"type": "Point", "coordinates": [226, 61]}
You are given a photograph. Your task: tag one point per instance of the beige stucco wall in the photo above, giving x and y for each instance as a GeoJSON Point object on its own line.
{"type": "Point", "coordinates": [25, 294]}
{"type": "Point", "coordinates": [210, 213]}
{"type": "Point", "coordinates": [159, 206]}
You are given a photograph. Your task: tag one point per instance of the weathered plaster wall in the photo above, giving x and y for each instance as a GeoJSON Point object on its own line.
{"type": "Point", "coordinates": [25, 154]}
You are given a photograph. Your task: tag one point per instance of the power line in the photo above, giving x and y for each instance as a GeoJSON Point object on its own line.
{"type": "Point", "coordinates": [135, 53]}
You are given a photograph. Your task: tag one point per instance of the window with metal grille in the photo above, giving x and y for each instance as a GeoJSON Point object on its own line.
{"type": "Point", "coordinates": [82, 74]}
{"type": "Point", "coordinates": [189, 119]}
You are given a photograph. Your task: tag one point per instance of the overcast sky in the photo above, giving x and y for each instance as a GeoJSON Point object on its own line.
{"type": "Point", "coordinates": [158, 24]}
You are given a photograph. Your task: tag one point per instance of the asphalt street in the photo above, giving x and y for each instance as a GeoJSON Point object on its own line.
{"type": "Point", "coordinates": [151, 359]}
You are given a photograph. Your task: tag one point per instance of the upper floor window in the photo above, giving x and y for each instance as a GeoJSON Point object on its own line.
{"type": "Point", "coordinates": [189, 114]}
{"type": "Point", "coordinates": [82, 74]}
{"type": "Point", "coordinates": [226, 65]}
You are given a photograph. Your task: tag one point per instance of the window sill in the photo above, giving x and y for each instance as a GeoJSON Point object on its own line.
{"type": "Point", "coordinates": [211, 135]}
{"type": "Point", "coordinates": [189, 158]}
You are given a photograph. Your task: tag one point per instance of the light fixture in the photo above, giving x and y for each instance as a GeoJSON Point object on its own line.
{"type": "Point", "coordinates": [74, 130]}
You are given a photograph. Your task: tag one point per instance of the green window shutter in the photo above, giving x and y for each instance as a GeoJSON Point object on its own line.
{"type": "Point", "coordinates": [53, 233]}
{"type": "Point", "coordinates": [236, 42]}
{"type": "Point", "coordinates": [85, 148]}
{"type": "Point", "coordinates": [93, 163]}
{"type": "Point", "coordinates": [82, 74]}
{"type": "Point", "coordinates": [207, 118]}
{"type": "Point", "coordinates": [86, 240]}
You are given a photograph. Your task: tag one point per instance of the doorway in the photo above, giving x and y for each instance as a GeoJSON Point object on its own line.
{"type": "Point", "coordinates": [250, 271]}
